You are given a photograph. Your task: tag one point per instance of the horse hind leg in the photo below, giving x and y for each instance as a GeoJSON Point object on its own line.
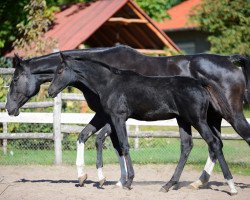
{"type": "Point", "coordinates": [216, 146]}
{"type": "Point", "coordinates": [186, 147]}
{"type": "Point", "coordinates": [206, 173]}
{"type": "Point", "coordinates": [214, 122]}
{"type": "Point", "coordinates": [241, 126]}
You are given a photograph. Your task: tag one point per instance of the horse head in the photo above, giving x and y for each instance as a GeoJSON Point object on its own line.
{"type": "Point", "coordinates": [23, 86]}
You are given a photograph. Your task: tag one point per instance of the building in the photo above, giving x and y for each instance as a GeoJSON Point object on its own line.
{"type": "Point", "coordinates": [185, 34]}
{"type": "Point", "coordinates": [105, 23]}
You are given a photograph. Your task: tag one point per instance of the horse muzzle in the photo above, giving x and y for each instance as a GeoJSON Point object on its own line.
{"type": "Point", "coordinates": [12, 111]}
{"type": "Point", "coordinates": [52, 93]}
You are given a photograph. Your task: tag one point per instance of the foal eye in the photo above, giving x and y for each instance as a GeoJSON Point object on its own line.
{"type": "Point", "coordinates": [60, 71]}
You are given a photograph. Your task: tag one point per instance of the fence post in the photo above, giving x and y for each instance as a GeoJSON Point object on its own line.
{"type": "Point", "coordinates": [5, 130]}
{"type": "Point", "coordinates": [57, 128]}
{"type": "Point", "coordinates": [136, 139]}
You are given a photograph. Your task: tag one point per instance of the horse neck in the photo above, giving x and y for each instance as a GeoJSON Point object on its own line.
{"type": "Point", "coordinates": [95, 77]}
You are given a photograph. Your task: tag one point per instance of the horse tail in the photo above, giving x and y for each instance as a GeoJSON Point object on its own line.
{"type": "Point", "coordinates": [244, 63]}
{"type": "Point", "coordinates": [217, 98]}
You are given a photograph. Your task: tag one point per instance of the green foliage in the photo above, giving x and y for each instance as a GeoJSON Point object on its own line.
{"type": "Point", "coordinates": [228, 22]}
{"type": "Point", "coordinates": [11, 13]}
{"type": "Point", "coordinates": [2, 91]}
{"type": "Point", "coordinates": [5, 62]}
{"type": "Point", "coordinates": [156, 9]}
{"type": "Point", "coordinates": [33, 28]}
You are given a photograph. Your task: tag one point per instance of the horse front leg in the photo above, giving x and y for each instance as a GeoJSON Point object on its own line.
{"type": "Point", "coordinates": [95, 124]}
{"type": "Point", "coordinates": [118, 123]}
{"type": "Point", "coordinates": [186, 147]}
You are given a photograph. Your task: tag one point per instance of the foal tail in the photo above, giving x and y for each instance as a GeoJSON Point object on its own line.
{"type": "Point", "coordinates": [217, 98]}
{"type": "Point", "coordinates": [244, 63]}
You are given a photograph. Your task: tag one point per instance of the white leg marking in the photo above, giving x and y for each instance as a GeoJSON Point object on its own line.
{"type": "Point", "coordinates": [124, 170]}
{"type": "Point", "coordinates": [209, 166]}
{"type": "Point", "coordinates": [80, 159]}
{"type": "Point", "coordinates": [232, 186]}
{"type": "Point", "coordinates": [100, 174]}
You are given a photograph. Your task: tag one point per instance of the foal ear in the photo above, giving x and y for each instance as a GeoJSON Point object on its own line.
{"type": "Point", "coordinates": [16, 61]}
{"type": "Point", "coordinates": [62, 57]}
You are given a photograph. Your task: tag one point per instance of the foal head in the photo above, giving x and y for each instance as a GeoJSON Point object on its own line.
{"type": "Point", "coordinates": [23, 86]}
{"type": "Point", "coordinates": [64, 76]}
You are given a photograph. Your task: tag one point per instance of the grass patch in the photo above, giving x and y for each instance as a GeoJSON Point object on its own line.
{"type": "Point", "coordinates": [155, 151]}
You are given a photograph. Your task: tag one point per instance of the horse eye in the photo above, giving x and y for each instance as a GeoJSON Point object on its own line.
{"type": "Point", "coordinates": [15, 79]}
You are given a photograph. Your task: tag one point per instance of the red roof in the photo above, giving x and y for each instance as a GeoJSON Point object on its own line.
{"type": "Point", "coordinates": [71, 22]}
{"type": "Point", "coordinates": [179, 16]}
{"type": "Point", "coordinates": [91, 23]}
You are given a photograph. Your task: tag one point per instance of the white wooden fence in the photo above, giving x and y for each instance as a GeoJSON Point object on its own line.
{"type": "Point", "coordinates": [59, 121]}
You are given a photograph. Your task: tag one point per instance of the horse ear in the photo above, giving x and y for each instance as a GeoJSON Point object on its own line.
{"type": "Point", "coordinates": [16, 61]}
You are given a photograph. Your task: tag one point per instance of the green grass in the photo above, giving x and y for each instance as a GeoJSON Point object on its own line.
{"type": "Point", "coordinates": [166, 151]}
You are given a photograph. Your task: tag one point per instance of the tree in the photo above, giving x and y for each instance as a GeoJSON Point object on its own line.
{"type": "Point", "coordinates": [11, 13]}
{"type": "Point", "coordinates": [33, 29]}
{"type": "Point", "coordinates": [18, 13]}
{"type": "Point", "coordinates": [156, 9]}
{"type": "Point", "coordinates": [227, 22]}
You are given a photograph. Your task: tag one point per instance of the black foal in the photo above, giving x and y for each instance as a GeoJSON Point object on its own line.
{"type": "Point", "coordinates": [125, 94]}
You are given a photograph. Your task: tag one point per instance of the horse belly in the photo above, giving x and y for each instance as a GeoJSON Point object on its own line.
{"type": "Point", "coordinates": [154, 115]}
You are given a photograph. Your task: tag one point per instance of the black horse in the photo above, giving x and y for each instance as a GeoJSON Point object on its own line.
{"type": "Point", "coordinates": [126, 94]}
{"type": "Point", "coordinates": [30, 74]}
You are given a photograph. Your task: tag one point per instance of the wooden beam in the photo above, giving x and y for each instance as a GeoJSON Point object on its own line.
{"type": "Point", "coordinates": [7, 70]}
{"type": "Point", "coordinates": [152, 27]}
{"type": "Point", "coordinates": [26, 136]}
{"type": "Point", "coordinates": [131, 37]}
{"type": "Point", "coordinates": [127, 21]}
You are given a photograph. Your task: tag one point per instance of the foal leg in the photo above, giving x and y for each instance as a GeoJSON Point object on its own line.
{"type": "Point", "coordinates": [118, 123]}
{"type": "Point", "coordinates": [186, 147]}
{"type": "Point", "coordinates": [123, 166]}
{"type": "Point", "coordinates": [100, 138]}
{"type": "Point", "coordinates": [104, 133]}
{"type": "Point", "coordinates": [95, 124]}
{"type": "Point", "coordinates": [215, 145]}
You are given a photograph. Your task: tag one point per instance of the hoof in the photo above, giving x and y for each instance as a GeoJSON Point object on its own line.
{"type": "Point", "coordinates": [101, 182]}
{"type": "Point", "coordinates": [82, 179]}
{"type": "Point", "coordinates": [163, 190]}
{"type": "Point", "coordinates": [127, 187]}
{"type": "Point", "coordinates": [233, 193]}
{"type": "Point", "coordinates": [196, 185]}
{"type": "Point", "coordinates": [119, 184]}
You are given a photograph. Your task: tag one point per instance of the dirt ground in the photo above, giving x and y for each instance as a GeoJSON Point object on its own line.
{"type": "Point", "coordinates": [59, 182]}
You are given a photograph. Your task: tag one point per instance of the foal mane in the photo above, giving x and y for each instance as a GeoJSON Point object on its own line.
{"type": "Point", "coordinates": [112, 69]}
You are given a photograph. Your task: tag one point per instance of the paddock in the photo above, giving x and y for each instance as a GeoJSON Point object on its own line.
{"type": "Point", "coordinates": [59, 182]}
